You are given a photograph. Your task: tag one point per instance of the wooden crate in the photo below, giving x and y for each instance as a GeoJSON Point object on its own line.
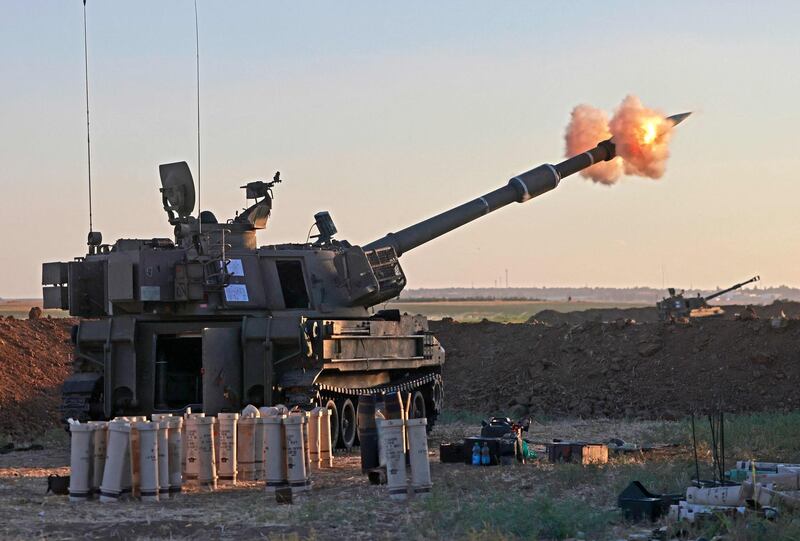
{"type": "Point", "coordinates": [578, 452]}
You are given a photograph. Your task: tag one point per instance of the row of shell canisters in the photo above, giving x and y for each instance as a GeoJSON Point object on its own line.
{"type": "Point", "coordinates": [152, 459]}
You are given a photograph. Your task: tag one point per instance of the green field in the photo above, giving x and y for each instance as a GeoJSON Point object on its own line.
{"type": "Point", "coordinates": [496, 310]}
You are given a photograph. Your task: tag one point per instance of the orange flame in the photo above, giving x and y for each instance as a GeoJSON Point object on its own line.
{"type": "Point", "coordinates": [641, 137]}
{"type": "Point", "coordinates": [649, 132]}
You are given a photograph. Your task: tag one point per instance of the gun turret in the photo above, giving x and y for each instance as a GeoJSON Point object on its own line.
{"type": "Point", "coordinates": [732, 288]}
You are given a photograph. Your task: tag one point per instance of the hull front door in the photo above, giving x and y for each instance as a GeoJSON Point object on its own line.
{"type": "Point", "coordinates": [222, 369]}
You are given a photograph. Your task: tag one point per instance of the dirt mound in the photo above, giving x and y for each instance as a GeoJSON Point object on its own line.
{"type": "Point", "coordinates": [35, 358]}
{"type": "Point", "coordinates": [649, 370]}
{"type": "Point", "coordinates": [649, 314]}
{"type": "Point", "coordinates": [645, 370]}
{"type": "Point", "coordinates": [552, 317]}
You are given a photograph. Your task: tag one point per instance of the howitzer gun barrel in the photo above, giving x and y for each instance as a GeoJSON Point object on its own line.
{"type": "Point", "coordinates": [737, 286]}
{"type": "Point", "coordinates": [519, 189]}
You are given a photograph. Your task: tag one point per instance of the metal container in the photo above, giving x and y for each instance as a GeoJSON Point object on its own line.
{"type": "Point", "coordinates": [295, 453]}
{"type": "Point", "coordinates": [393, 442]}
{"type": "Point", "coordinates": [147, 453]}
{"type": "Point", "coordinates": [227, 445]}
{"type": "Point", "coordinates": [367, 433]}
{"type": "Point", "coordinates": [116, 461]}
{"type": "Point", "coordinates": [80, 461]}
{"type": "Point", "coordinates": [163, 457]}
{"type": "Point", "coordinates": [418, 451]}
{"type": "Point", "coordinates": [325, 454]}
{"type": "Point", "coordinates": [99, 441]}
{"type": "Point", "coordinates": [314, 437]}
{"type": "Point", "coordinates": [207, 470]}
{"type": "Point", "coordinates": [191, 444]}
{"type": "Point", "coordinates": [245, 448]}
{"type": "Point", "coordinates": [258, 449]}
{"type": "Point", "coordinates": [175, 446]}
{"type": "Point", "coordinates": [275, 456]}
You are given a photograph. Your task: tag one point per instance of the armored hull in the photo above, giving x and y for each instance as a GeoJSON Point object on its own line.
{"type": "Point", "coordinates": [164, 332]}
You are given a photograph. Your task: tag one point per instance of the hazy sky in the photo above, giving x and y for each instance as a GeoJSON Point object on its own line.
{"type": "Point", "coordinates": [385, 113]}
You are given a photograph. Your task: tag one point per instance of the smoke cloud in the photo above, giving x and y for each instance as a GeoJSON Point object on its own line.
{"type": "Point", "coordinates": [641, 136]}
{"type": "Point", "coordinates": [587, 127]}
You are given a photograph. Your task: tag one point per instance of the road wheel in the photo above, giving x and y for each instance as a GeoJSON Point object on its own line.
{"type": "Point", "coordinates": [437, 397]}
{"type": "Point", "coordinates": [418, 409]}
{"type": "Point", "coordinates": [434, 401]}
{"type": "Point", "coordinates": [347, 424]}
{"type": "Point", "coordinates": [334, 421]}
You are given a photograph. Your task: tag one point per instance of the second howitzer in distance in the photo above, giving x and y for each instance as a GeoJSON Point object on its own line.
{"type": "Point", "coordinates": [209, 320]}
{"type": "Point", "coordinates": [678, 306]}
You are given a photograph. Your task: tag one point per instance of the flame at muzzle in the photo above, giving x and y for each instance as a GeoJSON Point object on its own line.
{"type": "Point", "coordinates": [641, 136]}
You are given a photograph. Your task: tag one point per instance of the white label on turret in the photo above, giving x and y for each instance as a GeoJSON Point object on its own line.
{"type": "Point", "coordinates": [236, 293]}
{"type": "Point", "coordinates": [150, 293]}
{"type": "Point", "coordinates": [235, 267]}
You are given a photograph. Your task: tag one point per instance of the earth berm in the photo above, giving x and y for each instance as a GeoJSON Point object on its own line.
{"type": "Point", "coordinates": [588, 369]}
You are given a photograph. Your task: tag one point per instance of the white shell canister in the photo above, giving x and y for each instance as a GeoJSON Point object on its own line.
{"type": "Point", "coordinates": [393, 443]}
{"type": "Point", "coordinates": [306, 415]}
{"type": "Point", "coordinates": [226, 433]}
{"type": "Point", "coordinates": [148, 460]}
{"type": "Point", "coordinates": [274, 455]}
{"type": "Point", "coordinates": [258, 449]}
{"type": "Point", "coordinates": [728, 496]}
{"type": "Point", "coordinates": [163, 457]}
{"type": "Point", "coordinates": [127, 470]}
{"type": "Point", "coordinates": [314, 437]}
{"type": "Point", "coordinates": [191, 444]}
{"type": "Point", "coordinates": [245, 447]}
{"type": "Point", "coordinates": [416, 429]}
{"type": "Point", "coordinates": [163, 452]}
{"type": "Point", "coordinates": [99, 440]}
{"type": "Point", "coordinates": [175, 451]}
{"type": "Point", "coordinates": [207, 469]}
{"type": "Point", "coordinates": [379, 416]}
{"type": "Point", "coordinates": [80, 461]}
{"type": "Point", "coordinates": [133, 456]}
{"type": "Point", "coordinates": [325, 454]}
{"type": "Point", "coordinates": [295, 453]}
{"type": "Point", "coordinates": [116, 461]}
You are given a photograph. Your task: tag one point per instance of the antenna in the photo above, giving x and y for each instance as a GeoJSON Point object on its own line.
{"type": "Point", "coordinates": [197, 66]}
{"type": "Point", "coordinates": [88, 137]}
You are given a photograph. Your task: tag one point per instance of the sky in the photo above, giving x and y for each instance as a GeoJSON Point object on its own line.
{"type": "Point", "coordinates": [386, 113]}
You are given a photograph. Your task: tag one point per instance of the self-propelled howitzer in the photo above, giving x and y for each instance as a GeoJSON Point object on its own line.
{"type": "Point", "coordinates": [209, 320]}
{"type": "Point", "coordinates": [677, 306]}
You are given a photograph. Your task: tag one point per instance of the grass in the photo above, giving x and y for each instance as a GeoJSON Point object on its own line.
{"type": "Point", "coordinates": [504, 515]}
{"type": "Point", "coordinates": [448, 417]}
{"type": "Point", "coordinates": [769, 437]}
{"type": "Point", "coordinates": [535, 501]}
{"type": "Point", "coordinates": [503, 311]}
{"type": "Point", "coordinates": [784, 528]}
{"type": "Point", "coordinates": [569, 500]}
